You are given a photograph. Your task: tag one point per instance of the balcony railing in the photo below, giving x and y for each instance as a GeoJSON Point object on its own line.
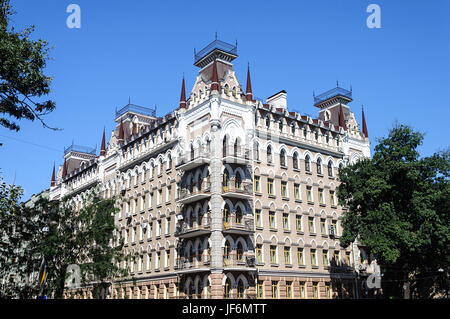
{"type": "Point", "coordinates": [184, 228]}
{"type": "Point", "coordinates": [242, 190]}
{"type": "Point", "coordinates": [194, 159]}
{"type": "Point", "coordinates": [245, 224]}
{"type": "Point", "coordinates": [236, 155]}
{"type": "Point", "coordinates": [332, 93]}
{"type": "Point", "coordinates": [194, 261]}
{"type": "Point", "coordinates": [186, 195]}
{"type": "Point", "coordinates": [238, 260]}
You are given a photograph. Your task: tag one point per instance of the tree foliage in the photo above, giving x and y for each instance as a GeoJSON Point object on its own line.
{"type": "Point", "coordinates": [398, 208]}
{"type": "Point", "coordinates": [22, 81]}
{"type": "Point", "coordinates": [83, 236]}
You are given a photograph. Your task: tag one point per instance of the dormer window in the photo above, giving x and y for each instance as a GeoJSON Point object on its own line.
{"type": "Point", "coordinates": [226, 89]}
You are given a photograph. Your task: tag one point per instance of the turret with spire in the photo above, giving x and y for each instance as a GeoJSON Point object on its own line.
{"type": "Point", "coordinates": [183, 95]}
{"type": "Point", "coordinates": [103, 147]}
{"type": "Point", "coordinates": [248, 93]}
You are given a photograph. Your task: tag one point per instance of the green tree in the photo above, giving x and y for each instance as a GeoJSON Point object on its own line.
{"type": "Point", "coordinates": [20, 237]}
{"type": "Point", "coordinates": [22, 81]}
{"type": "Point", "coordinates": [398, 208]}
{"type": "Point", "coordinates": [85, 237]}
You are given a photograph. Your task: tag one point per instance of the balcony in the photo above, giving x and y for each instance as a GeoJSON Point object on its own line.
{"type": "Point", "coordinates": [194, 262]}
{"type": "Point", "coordinates": [184, 230]}
{"type": "Point", "coordinates": [235, 155]}
{"type": "Point", "coordinates": [185, 196]}
{"type": "Point", "coordinates": [244, 190]}
{"type": "Point", "coordinates": [242, 227]}
{"type": "Point", "coordinates": [194, 159]}
{"type": "Point", "coordinates": [239, 261]}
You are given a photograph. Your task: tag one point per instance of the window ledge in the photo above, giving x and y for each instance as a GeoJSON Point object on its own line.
{"type": "Point", "coordinates": [274, 265]}
{"type": "Point", "coordinates": [273, 229]}
{"type": "Point", "coordinates": [310, 203]}
{"type": "Point", "coordinates": [258, 193]}
{"type": "Point", "coordinates": [272, 196]}
{"type": "Point", "coordinates": [285, 198]}
{"type": "Point", "coordinates": [298, 200]}
{"type": "Point", "coordinates": [300, 232]}
{"type": "Point", "coordinates": [286, 231]}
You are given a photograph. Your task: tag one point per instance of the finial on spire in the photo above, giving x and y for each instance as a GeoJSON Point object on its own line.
{"type": "Point", "coordinates": [337, 83]}
{"type": "Point", "coordinates": [53, 182]}
{"type": "Point", "coordinates": [365, 132]}
{"type": "Point", "coordinates": [249, 93]}
{"type": "Point", "coordinates": [216, 35]}
{"type": "Point", "coordinates": [103, 147]}
{"type": "Point", "coordinates": [183, 95]}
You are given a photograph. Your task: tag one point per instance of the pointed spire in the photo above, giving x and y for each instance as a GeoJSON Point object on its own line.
{"type": "Point", "coordinates": [342, 117]}
{"type": "Point", "coordinates": [366, 134]}
{"type": "Point", "coordinates": [215, 78]}
{"type": "Point", "coordinates": [103, 148]}
{"type": "Point", "coordinates": [64, 172]}
{"type": "Point", "coordinates": [121, 132]}
{"type": "Point", "coordinates": [249, 94]}
{"type": "Point", "coordinates": [183, 95]}
{"type": "Point", "coordinates": [53, 182]}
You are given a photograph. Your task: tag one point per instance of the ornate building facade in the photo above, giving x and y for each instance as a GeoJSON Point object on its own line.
{"type": "Point", "coordinates": [227, 196]}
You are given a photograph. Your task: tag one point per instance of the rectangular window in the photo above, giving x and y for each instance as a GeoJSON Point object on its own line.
{"type": "Point", "coordinates": [149, 261]}
{"type": "Point", "coordinates": [288, 289]}
{"type": "Point", "coordinates": [332, 199]}
{"type": "Point", "coordinates": [323, 226]}
{"type": "Point", "coordinates": [347, 258]}
{"type": "Point", "coordinates": [301, 260]}
{"type": "Point", "coordinates": [167, 258]}
{"type": "Point", "coordinates": [168, 226]}
{"type": "Point", "coordinates": [259, 254]}
{"type": "Point", "coordinates": [258, 218]}
{"type": "Point", "coordinates": [169, 194]}
{"type": "Point", "coordinates": [274, 289]}
{"type": "Point", "coordinates": [297, 191]}
{"type": "Point", "coordinates": [272, 222]}
{"type": "Point", "coordinates": [273, 254]}
{"type": "Point", "coordinates": [284, 189]}
{"type": "Point", "coordinates": [287, 255]}
{"type": "Point", "coordinates": [286, 221]}
{"type": "Point", "coordinates": [321, 198]}
{"type": "Point", "coordinates": [150, 200]}
{"type": "Point", "coordinates": [336, 257]}
{"type": "Point", "coordinates": [309, 194]}
{"type": "Point", "coordinates": [302, 290]}
{"type": "Point", "coordinates": [158, 229]}
{"type": "Point", "coordinates": [312, 228]}
{"type": "Point", "coordinates": [270, 188]}
{"type": "Point", "coordinates": [257, 184]}
{"type": "Point", "coordinates": [158, 260]}
{"type": "Point", "coordinates": [143, 202]}
{"type": "Point", "coordinates": [315, 290]}
{"type": "Point", "coordinates": [159, 199]}
{"type": "Point", "coordinates": [327, 290]}
{"type": "Point", "coordinates": [260, 290]}
{"type": "Point", "coordinates": [313, 257]}
{"type": "Point", "coordinates": [298, 223]}
{"type": "Point", "coordinates": [325, 258]}
{"type": "Point", "coordinates": [334, 225]}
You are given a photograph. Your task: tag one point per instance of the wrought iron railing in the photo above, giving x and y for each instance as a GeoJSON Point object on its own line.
{"type": "Point", "coordinates": [186, 192]}
{"type": "Point", "coordinates": [216, 44]}
{"type": "Point", "coordinates": [241, 224]}
{"type": "Point", "coordinates": [331, 93]}
{"type": "Point", "coordinates": [245, 188]}
{"type": "Point", "coordinates": [193, 261]}
{"type": "Point", "coordinates": [184, 227]}
{"type": "Point", "coordinates": [238, 152]}
{"type": "Point", "coordinates": [136, 109]}
{"type": "Point", "coordinates": [192, 156]}
{"type": "Point", "coordinates": [238, 259]}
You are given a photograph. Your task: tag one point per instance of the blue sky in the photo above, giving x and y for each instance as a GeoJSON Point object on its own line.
{"type": "Point", "coordinates": [140, 49]}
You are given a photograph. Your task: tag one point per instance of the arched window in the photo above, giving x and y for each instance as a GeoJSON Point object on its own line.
{"type": "Point", "coordinates": [319, 166]}
{"type": "Point", "coordinates": [240, 290]}
{"type": "Point", "coordinates": [256, 151]}
{"type": "Point", "coordinates": [307, 163]}
{"type": "Point", "coordinates": [295, 160]}
{"type": "Point", "coordinates": [227, 288]}
{"type": "Point", "coordinates": [227, 89]}
{"type": "Point", "coordinates": [236, 147]}
{"type": "Point", "coordinates": [234, 91]}
{"type": "Point", "coordinates": [269, 154]}
{"type": "Point", "coordinates": [224, 146]}
{"type": "Point", "coordinates": [192, 152]}
{"type": "Point", "coordinates": [227, 253]}
{"type": "Point", "coordinates": [283, 157]}
{"type": "Point", "coordinates": [226, 214]}
{"type": "Point", "coordinates": [267, 121]}
{"type": "Point", "coordinates": [169, 162]}
{"type": "Point", "coordinates": [330, 169]}
{"type": "Point", "coordinates": [226, 179]}
{"type": "Point", "coordinates": [239, 252]}
{"type": "Point", "coordinates": [293, 128]}
{"type": "Point", "coordinates": [238, 180]}
{"type": "Point", "coordinates": [280, 125]}
{"type": "Point", "coordinates": [239, 216]}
